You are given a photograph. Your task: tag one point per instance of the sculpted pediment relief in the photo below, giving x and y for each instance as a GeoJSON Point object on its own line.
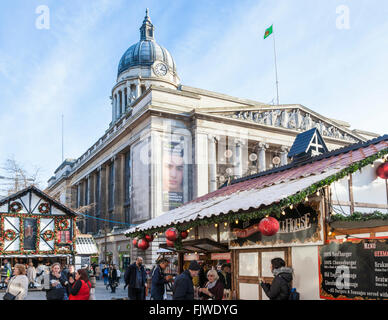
{"type": "Point", "coordinates": [295, 119]}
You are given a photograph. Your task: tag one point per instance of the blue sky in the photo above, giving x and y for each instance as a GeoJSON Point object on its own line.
{"type": "Point", "coordinates": [217, 45]}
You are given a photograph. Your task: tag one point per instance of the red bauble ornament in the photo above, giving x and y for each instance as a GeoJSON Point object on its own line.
{"type": "Point", "coordinates": [143, 244]}
{"type": "Point", "coordinates": [149, 237]}
{"type": "Point", "coordinates": [382, 171]}
{"type": "Point", "coordinates": [184, 234]}
{"type": "Point", "coordinates": [134, 242]}
{"type": "Point", "coordinates": [170, 243]}
{"type": "Point", "coordinates": [171, 234]}
{"type": "Point", "coordinates": [268, 226]}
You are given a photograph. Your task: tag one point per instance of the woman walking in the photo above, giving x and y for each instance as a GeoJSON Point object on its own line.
{"type": "Point", "coordinates": [80, 287]}
{"type": "Point", "coordinates": [57, 284]}
{"type": "Point", "coordinates": [18, 285]}
{"type": "Point", "coordinates": [214, 289]}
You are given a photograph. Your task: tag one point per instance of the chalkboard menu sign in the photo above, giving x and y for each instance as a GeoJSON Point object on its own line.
{"type": "Point", "coordinates": [356, 269]}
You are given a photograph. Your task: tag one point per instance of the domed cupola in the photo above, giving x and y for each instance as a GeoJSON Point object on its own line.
{"type": "Point", "coordinates": [144, 64]}
{"type": "Point", "coordinates": [148, 55]}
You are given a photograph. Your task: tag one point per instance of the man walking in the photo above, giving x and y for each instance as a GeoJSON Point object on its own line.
{"type": "Point", "coordinates": [184, 288]}
{"type": "Point", "coordinates": [135, 278]}
{"type": "Point", "coordinates": [159, 279]}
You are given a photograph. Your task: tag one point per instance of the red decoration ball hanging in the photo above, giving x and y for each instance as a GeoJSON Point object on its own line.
{"type": "Point", "coordinates": [149, 237]}
{"type": "Point", "coordinates": [268, 226]}
{"type": "Point", "coordinates": [143, 244]}
{"type": "Point", "coordinates": [134, 242]}
{"type": "Point", "coordinates": [170, 243]}
{"type": "Point", "coordinates": [171, 234]}
{"type": "Point", "coordinates": [382, 171]}
{"type": "Point", "coordinates": [184, 234]}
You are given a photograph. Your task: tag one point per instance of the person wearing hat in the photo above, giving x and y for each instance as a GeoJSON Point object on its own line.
{"type": "Point", "coordinates": [183, 288]}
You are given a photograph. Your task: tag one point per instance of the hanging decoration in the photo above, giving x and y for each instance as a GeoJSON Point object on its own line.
{"type": "Point", "coordinates": [143, 244]}
{"type": "Point", "coordinates": [170, 243]}
{"type": "Point", "coordinates": [269, 226]}
{"type": "Point", "coordinates": [171, 234]}
{"type": "Point", "coordinates": [9, 235]}
{"type": "Point", "coordinates": [382, 171]}
{"type": "Point", "coordinates": [149, 237]}
{"type": "Point", "coordinates": [184, 234]}
{"type": "Point", "coordinates": [15, 206]}
{"type": "Point", "coordinates": [48, 235]}
{"type": "Point", "coordinates": [63, 224]}
{"type": "Point", "coordinates": [44, 208]}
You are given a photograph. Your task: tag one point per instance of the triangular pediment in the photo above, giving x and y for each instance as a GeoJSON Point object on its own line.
{"type": "Point", "coordinates": [292, 117]}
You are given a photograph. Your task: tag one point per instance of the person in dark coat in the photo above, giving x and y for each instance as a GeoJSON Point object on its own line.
{"type": "Point", "coordinates": [225, 276]}
{"type": "Point", "coordinates": [112, 277]}
{"type": "Point", "coordinates": [183, 287]}
{"type": "Point", "coordinates": [214, 288]}
{"type": "Point", "coordinates": [135, 278]}
{"type": "Point", "coordinates": [159, 279]}
{"type": "Point", "coordinates": [280, 288]}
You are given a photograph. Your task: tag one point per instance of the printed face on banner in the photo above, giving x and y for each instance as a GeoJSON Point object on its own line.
{"type": "Point", "coordinates": [173, 173]}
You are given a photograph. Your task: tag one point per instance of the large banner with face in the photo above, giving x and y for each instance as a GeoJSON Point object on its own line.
{"type": "Point", "coordinates": [176, 144]}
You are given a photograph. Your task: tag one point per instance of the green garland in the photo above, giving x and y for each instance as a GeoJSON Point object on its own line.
{"type": "Point", "coordinates": [360, 216]}
{"type": "Point", "coordinates": [274, 209]}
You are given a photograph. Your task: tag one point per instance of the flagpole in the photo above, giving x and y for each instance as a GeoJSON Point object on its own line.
{"type": "Point", "coordinates": [276, 70]}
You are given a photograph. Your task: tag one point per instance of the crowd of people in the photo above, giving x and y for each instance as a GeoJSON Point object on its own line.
{"type": "Point", "coordinates": [58, 282]}
{"type": "Point", "coordinates": [212, 284]}
{"type": "Point", "coordinates": [197, 281]}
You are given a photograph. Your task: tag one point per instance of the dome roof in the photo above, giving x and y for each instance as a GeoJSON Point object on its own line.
{"type": "Point", "coordinates": [146, 51]}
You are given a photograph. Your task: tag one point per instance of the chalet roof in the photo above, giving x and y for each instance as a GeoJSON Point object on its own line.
{"type": "Point", "coordinates": [41, 194]}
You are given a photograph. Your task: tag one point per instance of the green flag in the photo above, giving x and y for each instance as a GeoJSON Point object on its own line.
{"type": "Point", "coordinates": [268, 32]}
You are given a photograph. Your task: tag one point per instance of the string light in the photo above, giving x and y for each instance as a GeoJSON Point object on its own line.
{"type": "Point", "coordinates": [236, 221]}
{"type": "Point", "coordinates": [225, 224]}
{"type": "Point", "coordinates": [318, 193]}
{"type": "Point", "coordinates": [283, 213]}
{"type": "Point", "coordinates": [306, 199]}
{"type": "Point", "coordinates": [291, 206]}
{"type": "Point", "coordinates": [216, 225]}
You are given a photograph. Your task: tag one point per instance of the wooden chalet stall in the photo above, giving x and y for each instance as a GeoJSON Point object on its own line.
{"type": "Point", "coordinates": [287, 212]}
{"type": "Point", "coordinates": [35, 227]}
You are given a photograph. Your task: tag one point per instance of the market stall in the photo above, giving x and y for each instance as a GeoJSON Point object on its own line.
{"type": "Point", "coordinates": [36, 228]}
{"type": "Point", "coordinates": [285, 212]}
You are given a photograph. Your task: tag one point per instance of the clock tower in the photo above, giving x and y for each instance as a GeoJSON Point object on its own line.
{"type": "Point", "coordinates": [144, 64]}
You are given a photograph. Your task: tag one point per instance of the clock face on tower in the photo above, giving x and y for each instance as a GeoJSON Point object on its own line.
{"type": "Point", "coordinates": [160, 69]}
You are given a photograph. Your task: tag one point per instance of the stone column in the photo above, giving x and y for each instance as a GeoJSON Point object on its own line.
{"type": "Point", "coordinates": [113, 108]}
{"type": "Point", "coordinates": [283, 155]}
{"type": "Point", "coordinates": [261, 148]}
{"type": "Point", "coordinates": [201, 174]}
{"type": "Point", "coordinates": [138, 89]}
{"type": "Point", "coordinates": [117, 106]}
{"type": "Point", "coordinates": [213, 163]}
{"type": "Point", "coordinates": [119, 188]}
{"type": "Point", "coordinates": [103, 195]}
{"type": "Point", "coordinates": [238, 168]}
